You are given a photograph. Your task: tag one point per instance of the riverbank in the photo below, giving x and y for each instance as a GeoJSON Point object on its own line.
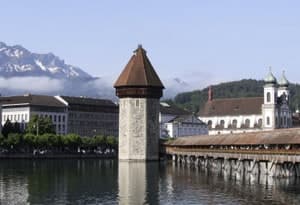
{"type": "Point", "coordinates": [56, 156]}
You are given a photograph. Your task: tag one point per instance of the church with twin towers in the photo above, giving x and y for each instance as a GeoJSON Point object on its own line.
{"type": "Point", "coordinates": [249, 114]}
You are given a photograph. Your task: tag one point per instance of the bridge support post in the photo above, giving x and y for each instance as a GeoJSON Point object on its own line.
{"type": "Point", "coordinates": [196, 161]}
{"type": "Point", "coordinates": [179, 159]}
{"type": "Point", "coordinates": [297, 168]}
{"type": "Point", "coordinates": [174, 157]}
{"type": "Point", "coordinates": [263, 166]}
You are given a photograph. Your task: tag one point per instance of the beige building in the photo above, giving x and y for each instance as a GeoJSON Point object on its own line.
{"type": "Point", "coordinates": [91, 116]}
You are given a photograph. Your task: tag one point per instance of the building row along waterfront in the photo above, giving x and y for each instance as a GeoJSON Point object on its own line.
{"type": "Point", "coordinates": [238, 115]}
{"type": "Point", "coordinates": [90, 116]}
{"type": "Point", "coordinates": [78, 115]}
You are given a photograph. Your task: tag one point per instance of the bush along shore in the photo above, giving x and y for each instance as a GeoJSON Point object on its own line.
{"type": "Point", "coordinates": [40, 141]}
{"type": "Point", "coordinates": [49, 145]}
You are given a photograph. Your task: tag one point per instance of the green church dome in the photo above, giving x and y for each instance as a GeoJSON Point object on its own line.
{"type": "Point", "coordinates": [283, 82]}
{"type": "Point", "coordinates": [270, 79]}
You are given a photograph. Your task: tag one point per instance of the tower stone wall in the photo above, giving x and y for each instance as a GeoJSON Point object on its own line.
{"type": "Point", "coordinates": [138, 128]}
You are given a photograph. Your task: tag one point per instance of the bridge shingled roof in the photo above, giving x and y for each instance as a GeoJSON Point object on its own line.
{"type": "Point", "coordinates": [275, 137]}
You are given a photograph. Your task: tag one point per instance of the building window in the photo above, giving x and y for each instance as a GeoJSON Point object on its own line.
{"type": "Point", "coordinates": [234, 124]}
{"type": "Point", "coordinates": [268, 97]}
{"type": "Point", "coordinates": [259, 122]}
{"type": "Point", "coordinates": [209, 124]}
{"type": "Point", "coordinates": [222, 123]}
{"type": "Point", "coordinates": [247, 123]}
{"type": "Point", "coordinates": [268, 120]}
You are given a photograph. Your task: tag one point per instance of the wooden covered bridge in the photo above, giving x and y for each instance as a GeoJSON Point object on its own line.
{"type": "Point", "coordinates": [274, 153]}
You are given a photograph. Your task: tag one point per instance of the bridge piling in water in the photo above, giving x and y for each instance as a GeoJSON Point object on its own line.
{"type": "Point", "coordinates": [239, 166]}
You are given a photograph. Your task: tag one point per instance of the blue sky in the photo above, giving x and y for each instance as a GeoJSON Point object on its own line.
{"type": "Point", "coordinates": [200, 42]}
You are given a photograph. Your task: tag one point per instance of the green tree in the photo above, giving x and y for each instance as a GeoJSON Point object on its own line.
{"type": "Point", "coordinates": [100, 141]}
{"type": "Point", "coordinates": [7, 128]}
{"type": "Point", "coordinates": [16, 128]}
{"type": "Point", "coordinates": [72, 141]}
{"type": "Point", "coordinates": [40, 125]}
{"type": "Point", "coordinates": [2, 140]}
{"type": "Point", "coordinates": [30, 141]}
{"type": "Point", "coordinates": [43, 141]}
{"type": "Point", "coordinates": [14, 140]}
{"type": "Point", "coordinates": [112, 142]}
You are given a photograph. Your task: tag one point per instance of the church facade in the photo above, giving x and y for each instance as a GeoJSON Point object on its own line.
{"type": "Point", "coordinates": [238, 115]}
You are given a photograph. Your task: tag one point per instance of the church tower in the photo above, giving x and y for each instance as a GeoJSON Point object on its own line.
{"type": "Point", "coordinates": [283, 87]}
{"type": "Point", "coordinates": [139, 89]}
{"type": "Point", "coordinates": [270, 102]}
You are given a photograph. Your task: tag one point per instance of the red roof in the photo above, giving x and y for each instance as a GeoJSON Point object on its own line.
{"type": "Point", "coordinates": [232, 107]}
{"type": "Point", "coordinates": [139, 72]}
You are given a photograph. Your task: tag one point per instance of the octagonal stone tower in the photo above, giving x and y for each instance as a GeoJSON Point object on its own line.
{"type": "Point", "coordinates": [139, 89]}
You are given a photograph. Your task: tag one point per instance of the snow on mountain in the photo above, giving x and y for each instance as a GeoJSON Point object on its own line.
{"type": "Point", "coordinates": [18, 61]}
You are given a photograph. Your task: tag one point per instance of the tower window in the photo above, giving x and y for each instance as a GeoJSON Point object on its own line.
{"type": "Point", "coordinates": [268, 96]}
{"type": "Point", "coordinates": [137, 103]}
{"type": "Point", "coordinates": [268, 120]}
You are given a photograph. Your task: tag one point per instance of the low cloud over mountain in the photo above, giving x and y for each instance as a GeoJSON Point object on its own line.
{"type": "Point", "coordinates": [22, 71]}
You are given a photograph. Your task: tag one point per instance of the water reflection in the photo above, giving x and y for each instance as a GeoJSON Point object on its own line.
{"type": "Point", "coordinates": [138, 183]}
{"type": "Point", "coordinates": [201, 186]}
{"type": "Point", "coordinates": [108, 182]}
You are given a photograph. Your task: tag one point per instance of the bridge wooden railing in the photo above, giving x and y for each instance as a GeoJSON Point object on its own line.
{"type": "Point", "coordinates": [174, 150]}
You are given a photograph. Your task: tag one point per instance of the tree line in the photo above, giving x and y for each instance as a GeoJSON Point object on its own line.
{"type": "Point", "coordinates": [40, 136]}
{"type": "Point", "coordinates": [194, 101]}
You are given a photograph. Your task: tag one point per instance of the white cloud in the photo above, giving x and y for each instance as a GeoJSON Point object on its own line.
{"type": "Point", "coordinates": [32, 84]}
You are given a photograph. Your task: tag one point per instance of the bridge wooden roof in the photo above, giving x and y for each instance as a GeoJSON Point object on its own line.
{"type": "Point", "coordinates": [276, 137]}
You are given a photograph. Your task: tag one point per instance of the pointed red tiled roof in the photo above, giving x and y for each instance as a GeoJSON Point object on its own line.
{"type": "Point", "coordinates": [139, 72]}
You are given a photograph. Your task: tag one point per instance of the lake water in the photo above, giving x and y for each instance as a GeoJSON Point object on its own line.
{"type": "Point", "coordinates": [94, 181]}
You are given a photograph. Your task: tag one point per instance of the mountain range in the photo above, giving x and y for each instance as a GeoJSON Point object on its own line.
{"type": "Point", "coordinates": [22, 71]}
{"type": "Point", "coordinates": [18, 61]}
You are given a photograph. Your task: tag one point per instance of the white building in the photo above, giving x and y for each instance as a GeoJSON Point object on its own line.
{"type": "Point", "coordinates": [237, 115]}
{"type": "Point", "coordinates": [20, 109]}
{"type": "Point", "coordinates": [175, 122]}
{"type": "Point", "coordinates": [78, 115]}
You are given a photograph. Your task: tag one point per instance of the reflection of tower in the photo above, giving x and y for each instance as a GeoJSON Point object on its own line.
{"type": "Point", "coordinates": [132, 182]}
{"type": "Point", "coordinates": [139, 89]}
{"type": "Point", "coordinates": [138, 183]}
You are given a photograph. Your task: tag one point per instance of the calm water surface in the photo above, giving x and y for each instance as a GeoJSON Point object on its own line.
{"type": "Point", "coordinates": [95, 181]}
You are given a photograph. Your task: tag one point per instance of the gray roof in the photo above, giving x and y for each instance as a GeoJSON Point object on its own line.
{"type": "Point", "coordinates": [36, 100]}
{"type": "Point", "coordinates": [87, 101]}
{"type": "Point", "coordinates": [170, 109]}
